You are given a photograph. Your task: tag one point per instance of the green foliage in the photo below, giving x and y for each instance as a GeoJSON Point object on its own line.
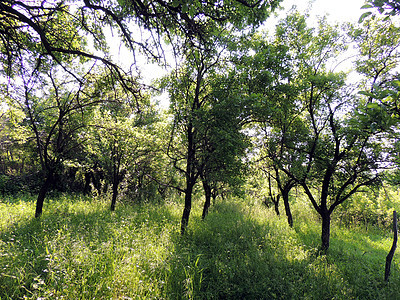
{"type": "Point", "coordinates": [372, 207]}
{"type": "Point", "coordinates": [389, 8]}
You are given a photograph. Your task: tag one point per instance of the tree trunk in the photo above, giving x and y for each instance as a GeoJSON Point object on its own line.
{"type": "Point", "coordinates": [390, 255]}
{"type": "Point", "coordinates": [207, 194]}
{"type": "Point", "coordinates": [116, 159]}
{"type": "Point", "coordinates": [285, 196]}
{"type": "Point", "coordinates": [114, 194]}
{"type": "Point", "coordinates": [115, 183]}
{"type": "Point", "coordinates": [187, 208]}
{"type": "Point", "coordinates": [276, 204]}
{"type": "Point", "coordinates": [190, 177]}
{"type": "Point", "coordinates": [42, 194]}
{"type": "Point", "coordinates": [87, 189]}
{"type": "Point", "coordinates": [326, 230]}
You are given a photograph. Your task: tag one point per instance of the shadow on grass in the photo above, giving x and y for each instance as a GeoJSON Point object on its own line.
{"type": "Point", "coordinates": [233, 256]}
{"type": "Point", "coordinates": [81, 250]}
{"type": "Point", "coordinates": [73, 248]}
{"type": "Point", "coordinates": [230, 255]}
{"type": "Point", "coordinates": [356, 256]}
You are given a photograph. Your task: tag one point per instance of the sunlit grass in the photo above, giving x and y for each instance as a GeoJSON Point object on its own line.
{"type": "Point", "coordinates": [81, 250]}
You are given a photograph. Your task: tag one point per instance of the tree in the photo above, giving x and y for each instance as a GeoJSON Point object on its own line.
{"type": "Point", "coordinates": [222, 143]}
{"type": "Point", "coordinates": [262, 77]}
{"type": "Point", "coordinates": [188, 94]}
{"type": "Point", "coordinates": [270, 167]}
{"type": "Point", "coordinates": [379, 54]}
{"type": "Point", "coordinates": [196, 110]}
{"type": "Point", "coordinates": [123, 144]}
{"type": "Point", "coordinates": [60, 29]}
{"type": "Point", "coordinates": [111, 145]}
{"type": "Point", "coordinates": [56, 109]}
{"type": "Point", "coordinates": [341, 140]}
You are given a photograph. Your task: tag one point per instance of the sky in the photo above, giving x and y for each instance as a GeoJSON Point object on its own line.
{"type": "Point", "coordinates": [338, 10]}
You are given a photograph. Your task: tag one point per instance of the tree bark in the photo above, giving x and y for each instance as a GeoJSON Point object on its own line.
{"type": "Point", "coordinates": [326, 230]}
{"type": "Point", "coordinates": [190, 177]}
{"type": "Point", "coordinates": [276, 204]}
{"type": "Point", "coordinates": [390, 255]}
{"type": "Point", "coordinates": [187, 208]}
{"type": "Point", "coordinates": [87, 189]}
{"type": "Point", "coordinates": [114, 194]}
{"type": "Point", "coordinates": [207, 194]}
{"type": "Point", "coordinates": [42, 193]}
{"type": "Point", "coordinates": [285, 196]}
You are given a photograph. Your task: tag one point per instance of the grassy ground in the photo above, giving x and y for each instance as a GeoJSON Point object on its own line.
{"type": "Point", "coordinates": [80, 250]}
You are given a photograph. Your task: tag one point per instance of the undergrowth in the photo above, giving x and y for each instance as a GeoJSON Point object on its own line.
{"type": "Point", "coordinates": [81, 250]}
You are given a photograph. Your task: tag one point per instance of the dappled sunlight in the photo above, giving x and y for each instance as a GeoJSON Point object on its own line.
{"type": "Point", "coordinates": [81, 249]}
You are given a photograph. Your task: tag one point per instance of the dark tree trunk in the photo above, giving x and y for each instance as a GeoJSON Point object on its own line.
{"type": "Point", "coordinates": [87, 189]}
{"type": "Point", "coordinates": [390, 255]}
{"type": "Point", "coordinates": [116, 174]}
{"type": "Point", "coordinates": [42, 193]}
{"type": "Point", "coordinates": [274, 199]}
{"type": "Point", "coordinates": [96, 179]}
{"type": "Point", "coordinates": [214, 193]}
{"type": "Point", "coordinates": [115, 183]}
{"type": "Point", "coordinates": [207, 194]}
{"type": "Point", "coordinates": [285, 196]}
{"type": "Point", "coordinates": [191, 178]}
{"type": "Point", "coordinates": [276, 204]}
{"type": "Point", "coordinates": [114, 194]}
{"type": "Point", "coordinates": [187, 208]}
{"type": "Point", "coordinates": [326, 230]}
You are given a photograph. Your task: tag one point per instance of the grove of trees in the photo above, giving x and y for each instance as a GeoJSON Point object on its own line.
{"type": "Point", "coordinates": [277, 105]}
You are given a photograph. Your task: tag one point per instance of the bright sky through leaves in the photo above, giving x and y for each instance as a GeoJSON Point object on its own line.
{"type": "Point", "coordinates": [338, 10]}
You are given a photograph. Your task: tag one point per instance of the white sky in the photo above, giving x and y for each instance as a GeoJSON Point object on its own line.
{"type": "Point", "coordinates": [338, 10]}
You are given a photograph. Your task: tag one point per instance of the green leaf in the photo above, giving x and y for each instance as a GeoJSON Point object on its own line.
{"type": "Point", "coordinates": [396, 83]}
{"type": "Point", "coordinates": [363, 16]}
{"type": "Point", "coordinates": [366, 6]}
{"type": "Point", "coordinates": [365, 93]}
{"type": "Point", "coordinates": [373, 105]}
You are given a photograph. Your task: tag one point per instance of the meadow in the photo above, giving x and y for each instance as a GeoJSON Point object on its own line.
{"type": "Point", "coordinates": [242, 250]}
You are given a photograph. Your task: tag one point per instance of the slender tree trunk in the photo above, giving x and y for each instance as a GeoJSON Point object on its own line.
{"type": "Point", "coordinates": [116, 161]}
{"type": "Point", "coordinates": [326, 230]}
{"type": "Point", "coordinates": [42, 193]}
{"type": "Point", "coordinates": [114, 194]}
{"type": "Point", "coordinates": [86, 189]}
{"type": "Point", "coordinates": [190, 178]}
{"type": "Point", "coordinates": [187, 208]}
{"type": "Point", "coordinates": [115, 183]}
{"type": "Point", "coordinates": [274, 199]}
{"type": "Point", "coordinates": [276, 204]}
{"type": "Point", "coordinates": [390, 255]}
{"type": "Point", "coordinates": [285, 196]}
{"type": "Point", "coordinates": [207, 194]}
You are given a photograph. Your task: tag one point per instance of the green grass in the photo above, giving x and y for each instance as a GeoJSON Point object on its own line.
{"type": "Point", "coordinates": [81, 250]}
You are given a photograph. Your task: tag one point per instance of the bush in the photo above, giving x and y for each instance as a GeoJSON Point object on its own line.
{"type": "Point", "coordinates": [370, 208]}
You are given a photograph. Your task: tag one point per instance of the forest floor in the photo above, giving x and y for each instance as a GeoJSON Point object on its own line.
{"type": "Point", "coordinates": [242, 250]}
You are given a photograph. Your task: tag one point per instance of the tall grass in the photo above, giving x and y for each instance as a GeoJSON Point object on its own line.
{"type": "Point", "coordinates": [81, 250]}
